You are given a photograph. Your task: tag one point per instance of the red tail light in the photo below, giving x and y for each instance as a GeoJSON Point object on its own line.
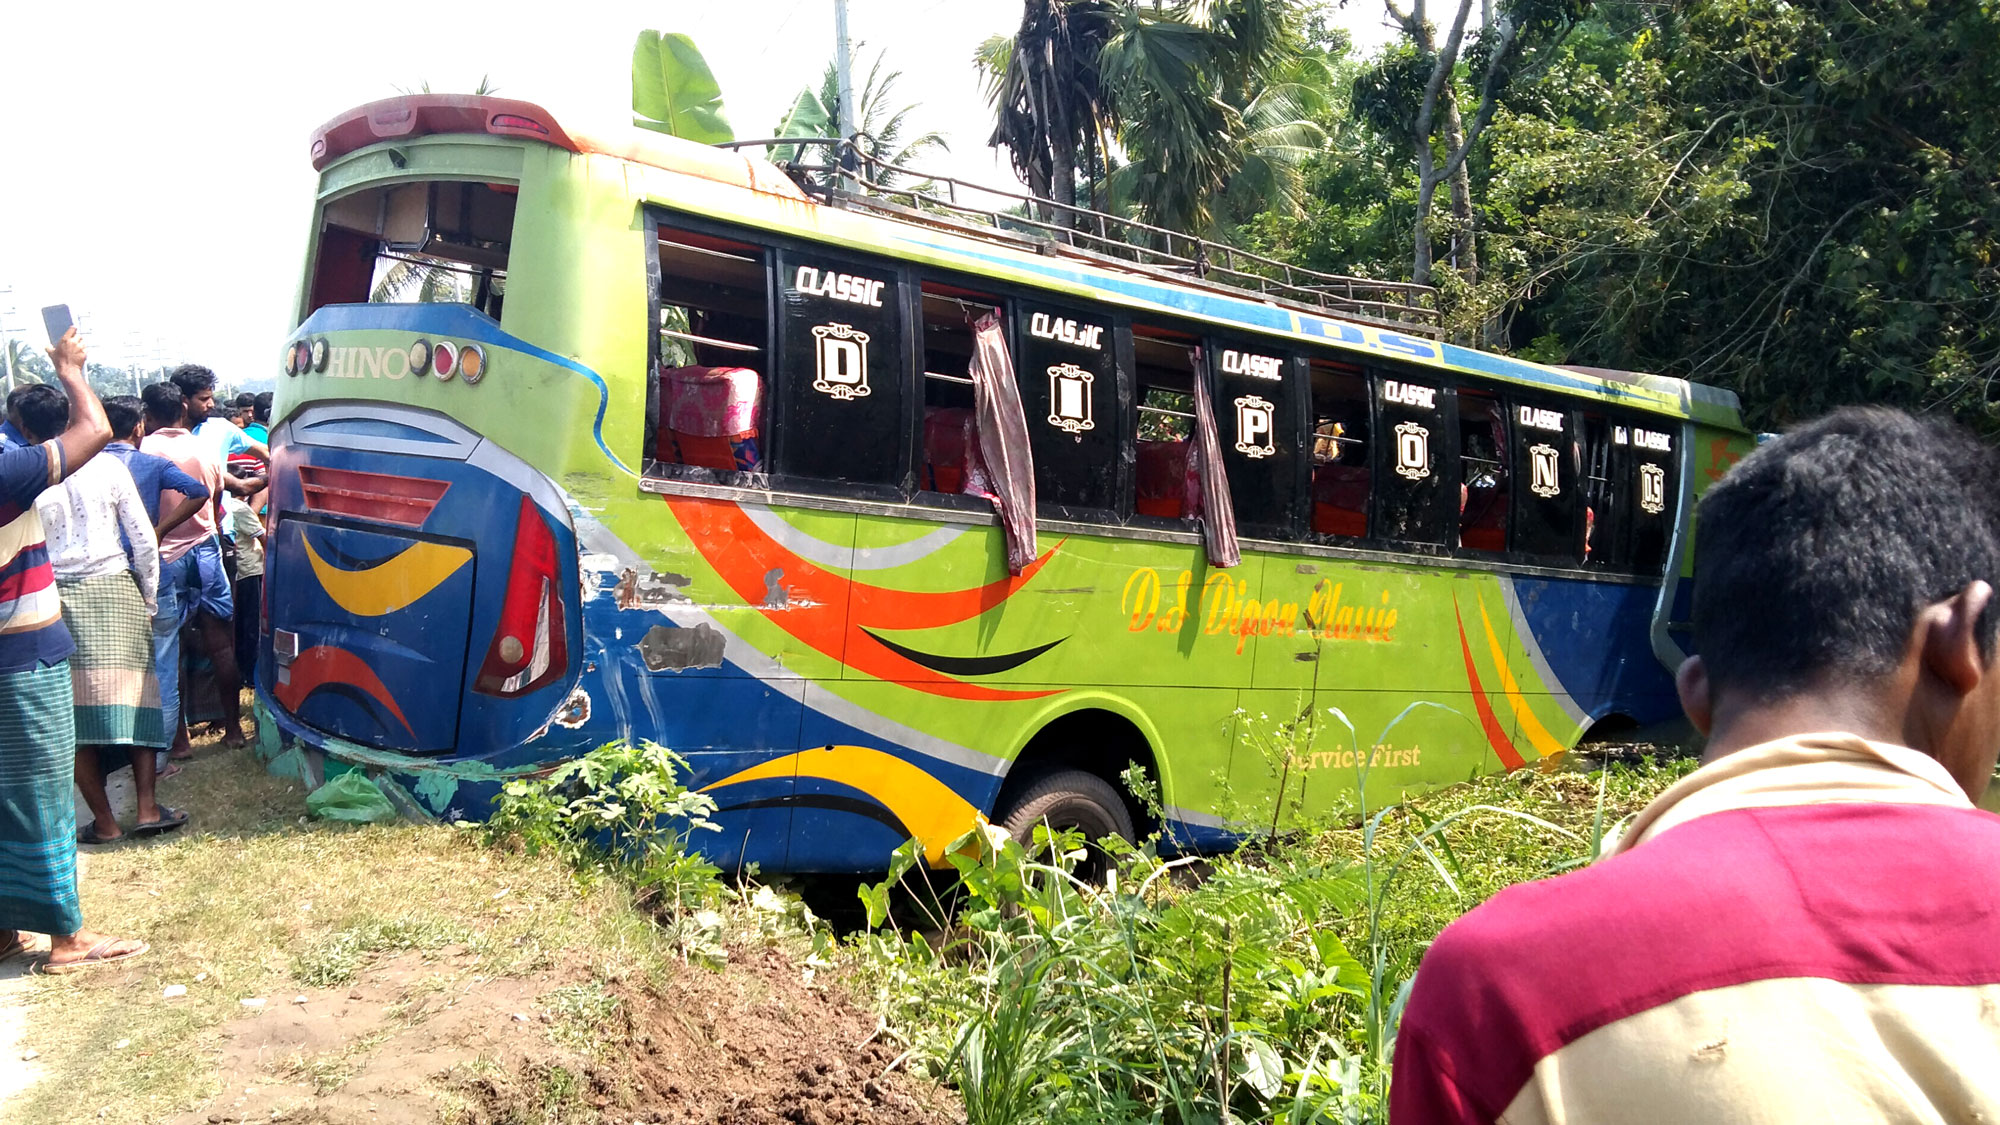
{"type": "Point", "coordinates": [529, 649]}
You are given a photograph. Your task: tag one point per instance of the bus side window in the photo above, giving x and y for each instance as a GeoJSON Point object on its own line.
{"type": "Point", "coordinates": [1606, 508]}
{"type": "Point", "coordinates": [1340, 448]}
{"type": "Point", "coordinates": [706, 401]}
{"type": "Point", "coordinates": [1548, 513]}
{"type": "Point", "coordinates": [1068, 369]}
{"type": "Point", "coordinates": [1257, 424]}
{"type": "Point", "coordinates": [1482, 473]}
{"type": "Point", "coordinates": [1411, 501]}
{"type": "Point", "coordinates": [1655, 492]}
{"type": "Point", "coordinates": [1165, 380]}
{"type": "Point", "coordinates": [950, 429]}
{"type": "Point", "coordinates": [843, 371]}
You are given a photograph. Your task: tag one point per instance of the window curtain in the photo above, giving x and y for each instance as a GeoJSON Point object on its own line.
{"type": "Point", "coordinates": [1205, 469]}
{"type": "Point", "coordinates": [1000, 467]}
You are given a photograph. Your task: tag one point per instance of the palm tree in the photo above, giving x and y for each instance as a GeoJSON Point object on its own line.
{"type": "Point", "coordinates": [1048, 100]}
{"type": "Point", "coordinates": [1194, 94]}
{"type": "Point", "coordinates": [816, 113]}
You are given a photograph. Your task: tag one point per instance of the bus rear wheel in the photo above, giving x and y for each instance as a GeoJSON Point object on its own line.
{"type": "Point", "coordinates": [1070, 799]}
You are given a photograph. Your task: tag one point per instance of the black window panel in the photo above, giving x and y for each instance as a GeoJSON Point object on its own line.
{"type": "Point", "coordinates": [1341, 452]}
{"type": "Point", "coordinates": [843, 379]}
{"type": "Point", "coordinates": [1067, 364]}
{"type": "Point", "coordinates": [1607, 507]}
{"type": "Point", "coordinates": [1654, 489]}
{"type": "Point", "coordinates": [1257, 422]}
{"type": "Point", "coordinates": [1548, 508]}
{"type": "Point", "coordinates": [1485, 503]}
{"type": "Point", "coordinates": [1411, 502]}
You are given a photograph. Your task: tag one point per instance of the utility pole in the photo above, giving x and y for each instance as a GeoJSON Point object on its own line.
{"type": "Point", "coordinates": [6, 345]}
{"type": "Point", "coordinates": [845, 111]}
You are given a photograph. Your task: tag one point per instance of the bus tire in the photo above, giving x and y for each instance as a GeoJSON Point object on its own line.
{"type": "Point", "coordinates": [1068, 799]}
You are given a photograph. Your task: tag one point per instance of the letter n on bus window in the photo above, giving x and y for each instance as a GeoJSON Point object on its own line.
{"type": "Point", "coordinates": [842, 370]}
{"type": "Point", "coordinates": [1549, 512]}
{"type": "Point", "coordinates": [1654, 489]}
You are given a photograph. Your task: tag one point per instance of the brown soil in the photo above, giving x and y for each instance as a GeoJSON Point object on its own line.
{"type": "Point", "coordinates": [754, 1043]}
{"type": "Point", "coordinates": [760, 1044]}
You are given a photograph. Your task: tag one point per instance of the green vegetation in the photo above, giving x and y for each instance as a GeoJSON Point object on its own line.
{"type": "Point", "coordinates": [1267, 990]}
{"type": "Point", "coordinates": [1800, 202]}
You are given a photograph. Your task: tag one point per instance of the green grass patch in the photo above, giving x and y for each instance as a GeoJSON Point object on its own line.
{"type": "Point", "coordinates": [251, 901]}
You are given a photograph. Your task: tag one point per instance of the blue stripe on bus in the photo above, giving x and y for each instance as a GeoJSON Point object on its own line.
{"type": "Point", "coordinates": [464, 322]}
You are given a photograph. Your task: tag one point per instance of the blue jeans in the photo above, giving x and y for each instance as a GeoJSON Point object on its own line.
{"type": "Point", "coordinates": [194, 581]}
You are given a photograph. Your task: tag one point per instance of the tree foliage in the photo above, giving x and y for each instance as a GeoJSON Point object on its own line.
{"type": "Point", "coordinates": [884, 126]}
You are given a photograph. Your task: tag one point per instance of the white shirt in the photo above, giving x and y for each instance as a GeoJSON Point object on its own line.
{"type": "Point", "coordinates": [82, 519]}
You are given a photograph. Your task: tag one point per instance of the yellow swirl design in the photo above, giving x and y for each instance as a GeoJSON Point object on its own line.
{"type": "Point", "coordinates": [391, 585]}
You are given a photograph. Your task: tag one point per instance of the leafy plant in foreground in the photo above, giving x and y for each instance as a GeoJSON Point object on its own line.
{"type": "Point", "coordinates": [618, 810]}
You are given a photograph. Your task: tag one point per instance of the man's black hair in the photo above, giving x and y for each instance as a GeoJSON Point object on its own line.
{"type": "Point", "coordinates": [43, 409]}
{"type": "Point", "coordinates": [165, 404]}
{"type": "Point", "coordinates": [260, 411]}
{"type": "Point", "coordinates": [14, 397]}
{"type": "Point", "coordinates": [123, 412]}
{"type": "Point", "coordinates": [192, 379]}
{"type": "Point", "coordinates": [1815, 554]}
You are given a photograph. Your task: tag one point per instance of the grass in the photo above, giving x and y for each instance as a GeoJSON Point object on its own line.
{"type": "Point", "coordinates": [1267, 991]}
{"type": "Point", "coordinates": [247, 901]}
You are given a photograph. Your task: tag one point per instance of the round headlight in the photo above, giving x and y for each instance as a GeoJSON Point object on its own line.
{"type": "Point", "coordinates": [420, 357]}
{"type": "Point", "coordinates": [319, 354]}
{"type": "Point", "coordinates": [444, 359]}
{"type": "Point", "coordinates": [291, 359]}
{"type": "Point", "coordinates": [472, 363]}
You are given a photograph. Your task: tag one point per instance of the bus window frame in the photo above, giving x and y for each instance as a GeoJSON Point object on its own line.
{"type": "Point", "coordinates": [1128, 495]}
{"type": "Point", "coordinates": [1124, 522]}
{"type": "Point", "coordinates": [900, 485]}
{"type": "Point", "coordinates": [1295, 384]}
{"type": "Point", "coordinates": [649, 466]}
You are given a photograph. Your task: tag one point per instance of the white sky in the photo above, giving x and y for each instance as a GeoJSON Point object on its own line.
{"type": "Point", "coordinates": [158, 180]}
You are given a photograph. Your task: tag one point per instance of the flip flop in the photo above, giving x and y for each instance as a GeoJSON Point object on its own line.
{"type": "Point", "coordinates": [18, 945]}
{"type": "Point", "coordinates": [88, 835]}
{"type": "Point", "coordinates": [170, 819]}
{"type": "Point", "coordinates": [97, 956]}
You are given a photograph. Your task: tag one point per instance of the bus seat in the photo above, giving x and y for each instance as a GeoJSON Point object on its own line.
{"type": "Point", "coordinates": [950, 432]}
{"type": "Point", "coordinates": [1162, 479]}
{"type": "Point", "coordinates": [1482, 518]}
{"type": "Point", "coordinates": [712, 416]}
{"type": "Point", "coordinates": [1340, 500]}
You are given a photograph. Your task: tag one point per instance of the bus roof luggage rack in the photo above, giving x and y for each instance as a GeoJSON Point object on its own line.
{"type": "Point", "coordinates": [857, 178]}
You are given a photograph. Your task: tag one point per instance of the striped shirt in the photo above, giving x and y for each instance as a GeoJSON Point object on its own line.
{"type": "Point", "coordinates": [31, 629]}
{"type": "Point", "coordinates": [1807, 930]}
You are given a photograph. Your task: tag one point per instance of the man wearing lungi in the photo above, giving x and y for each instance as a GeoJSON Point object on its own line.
{"type": "Point", "coordinates": [37, 717]}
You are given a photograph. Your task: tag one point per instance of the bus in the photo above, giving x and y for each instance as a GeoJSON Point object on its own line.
{"type": "Point", "coordinates": [586, 437]}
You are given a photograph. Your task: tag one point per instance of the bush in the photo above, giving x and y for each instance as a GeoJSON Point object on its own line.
{"type": "Point", "coordinates": [619, 810]}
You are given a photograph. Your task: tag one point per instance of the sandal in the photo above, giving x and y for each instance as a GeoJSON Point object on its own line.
{"type": "Point", "coordinates": [98, 955]}
{"type": "Point", "coordinates": [88, 835]}
{"type": "Point", "coordinates": [170, 819]}
{"type": "Point", "coordinates": [19, 944]}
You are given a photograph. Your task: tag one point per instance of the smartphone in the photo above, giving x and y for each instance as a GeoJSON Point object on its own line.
{"type": "Point", "coordinates": [57, 320]}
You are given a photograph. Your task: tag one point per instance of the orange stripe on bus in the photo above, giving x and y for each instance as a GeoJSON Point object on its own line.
{"type": "Point", "coordinates": [746, 555]}
{"type": "Point", "coordinates": [1496, 735]}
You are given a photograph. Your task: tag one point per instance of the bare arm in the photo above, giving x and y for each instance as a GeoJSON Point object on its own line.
{"type": "Point", "coordinates": [177, 515]}
{"type": "Point", "coordinates": [88, 432]}
{"type": "Point", "coordinates": [242, 486]}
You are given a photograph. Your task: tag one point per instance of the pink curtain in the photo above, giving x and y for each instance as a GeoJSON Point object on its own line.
{"type": "Point", "coordinates": [1000, 466]}
{"type": "Point", "coordinates": [1205, 468]}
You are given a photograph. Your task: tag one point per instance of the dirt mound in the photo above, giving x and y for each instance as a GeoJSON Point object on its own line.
{"type": "Point", "coordinates": [761, 1045]}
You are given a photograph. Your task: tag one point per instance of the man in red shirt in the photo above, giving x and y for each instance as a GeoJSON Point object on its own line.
{"type": "Point", "coordinates": [1808, 927]}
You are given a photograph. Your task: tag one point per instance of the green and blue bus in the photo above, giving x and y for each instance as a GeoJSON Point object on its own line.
{"type": "Point", "coordinates": [583, 438]}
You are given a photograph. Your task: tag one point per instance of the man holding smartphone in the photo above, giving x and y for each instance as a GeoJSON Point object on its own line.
{"type": "Point", "coordinates": [37, 719]}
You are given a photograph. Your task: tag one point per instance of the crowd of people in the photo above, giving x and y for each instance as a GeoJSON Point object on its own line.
{"type": "Point", "coordinates": [130, 557]}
